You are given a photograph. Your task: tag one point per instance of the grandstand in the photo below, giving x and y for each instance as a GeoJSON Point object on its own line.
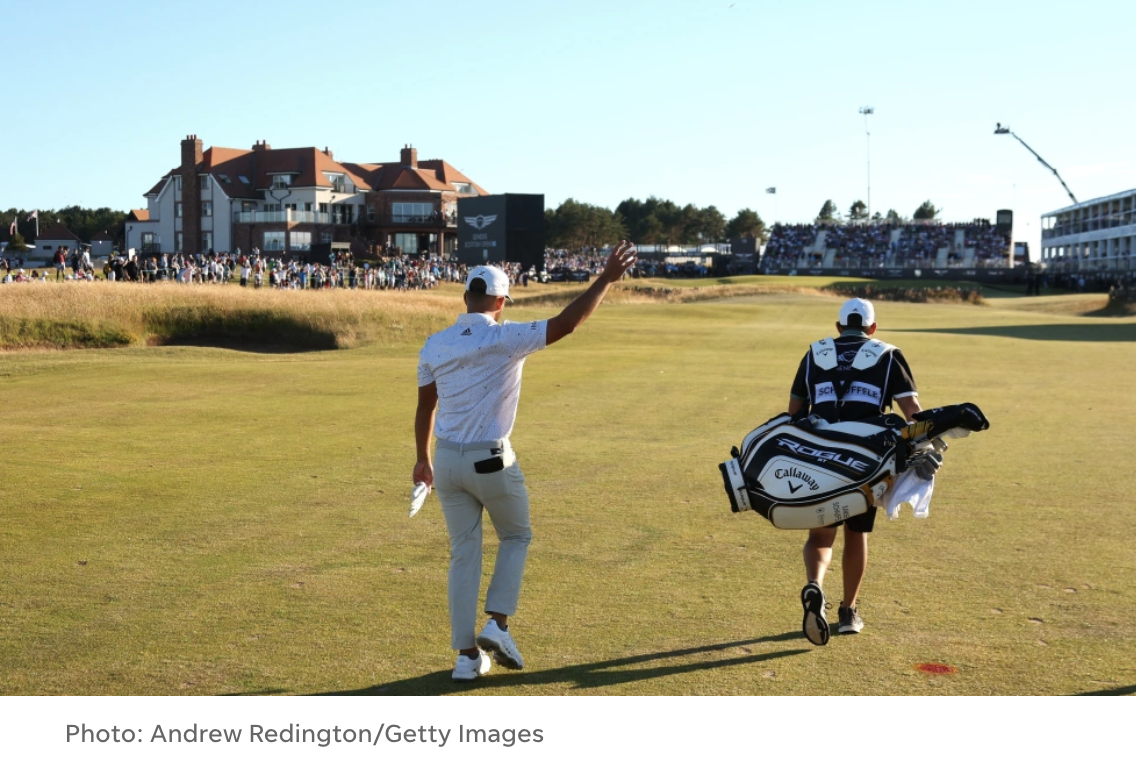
{"type": "Point", "coordinates": [1094, 236]}
{"type": "Point", "coordinates": [889, 244]}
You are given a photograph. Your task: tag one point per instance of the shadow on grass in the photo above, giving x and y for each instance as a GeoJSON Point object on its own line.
{"type": "Point", "coordinates": [1106, 333]}
{"type": "Point", "coordinates": [1120, 691]}
{"type": "Point", "coordinates": [593, 675]}
{"type": "Point", "coordinates": [244, 345]}
{"type": "Point", "coordinates": [262, 331]}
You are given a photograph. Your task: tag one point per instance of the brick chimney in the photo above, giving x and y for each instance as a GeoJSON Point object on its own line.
{"type": "Point", "coordinates": [191, 154]}
{"type": "Point", "coordinates": [191, 157]}
{"type": "Point", "coordinates": [261, 146]}
{"type": "Point", "coordinates": [327, 151]}
{"type": "Point", "coordinates": [410, 156]}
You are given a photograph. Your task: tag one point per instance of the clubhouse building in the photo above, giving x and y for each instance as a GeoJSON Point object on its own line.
{"type": "Point", "coordinates": [296, 201]}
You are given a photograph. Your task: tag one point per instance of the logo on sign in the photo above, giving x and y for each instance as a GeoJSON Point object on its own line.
{"type": "Point", "coordinates": [480, 221]}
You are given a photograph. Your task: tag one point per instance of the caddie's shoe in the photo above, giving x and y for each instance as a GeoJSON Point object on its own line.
{"type": "Point", "coordinates": [504, 648]}
{"type": "Point", "coordinates": [470, 668]}
{"type": "Point", "coordinates": [850, 621]}
{"type": "Point", "coordinates": [815, 626]}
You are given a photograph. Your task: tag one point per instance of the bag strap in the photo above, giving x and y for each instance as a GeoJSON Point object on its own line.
{"type": "Point", "coordinates": [870, 353]}
{"type": "Point", "coordinates": [824, 354]}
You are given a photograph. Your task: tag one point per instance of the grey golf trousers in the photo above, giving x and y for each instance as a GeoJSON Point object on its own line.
{"type": "Point", "coordinates": [463, 493]}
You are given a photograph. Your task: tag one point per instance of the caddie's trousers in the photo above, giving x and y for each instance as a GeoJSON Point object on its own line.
{"type": "Point", "coordinates": [467, 478]}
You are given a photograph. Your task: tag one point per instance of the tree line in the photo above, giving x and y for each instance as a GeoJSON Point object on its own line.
{"type": "Point", "coordinates": [578, 225]}
{"type": "Point", "coordinates": [83, 222]}
{"type": "Point", "coordinates": [858, 211]}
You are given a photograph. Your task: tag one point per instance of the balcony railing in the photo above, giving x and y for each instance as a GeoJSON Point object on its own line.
{"type": "Point", "coordinates": [283, 216]}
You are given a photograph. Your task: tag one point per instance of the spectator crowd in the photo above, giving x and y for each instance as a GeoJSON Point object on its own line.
{"type": "Point", "coordinates": [885, 244]}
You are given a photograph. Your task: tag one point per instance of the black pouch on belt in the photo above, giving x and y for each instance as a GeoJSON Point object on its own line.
{"type": "Point", "coordinates": [492, 465]}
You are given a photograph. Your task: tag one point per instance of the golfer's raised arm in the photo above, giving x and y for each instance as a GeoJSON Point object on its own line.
{"type": "Point", "coordinates": [574, 314]}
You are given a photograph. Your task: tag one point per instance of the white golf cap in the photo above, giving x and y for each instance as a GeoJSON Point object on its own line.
{"type": "Point", "coordinates": [496, 280]}
{"type": "Point", "coordinates": [859, 306]}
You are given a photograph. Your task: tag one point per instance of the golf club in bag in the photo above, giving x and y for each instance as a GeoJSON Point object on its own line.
{"type": "Point", "coordinates": [808, 473]}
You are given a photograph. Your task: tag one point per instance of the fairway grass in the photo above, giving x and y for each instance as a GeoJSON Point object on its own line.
{"type": "Point", "coordinates": [186, 520]}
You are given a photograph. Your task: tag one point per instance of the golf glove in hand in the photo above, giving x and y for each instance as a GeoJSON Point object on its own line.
{"type": "Point", "coordinates": [925, 464]}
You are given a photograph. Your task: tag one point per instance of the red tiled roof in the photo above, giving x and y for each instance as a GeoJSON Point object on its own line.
{"type": "Point", "coordinates": [158, 186]}
{"type": "Point", "coordinates": [432, 175]}
{"type": "Point", "coordinates": [141, 214]}
{"type": "Point", "coordinates": [448, 174]}
{"type": "Point", "coordinates": [309, 165]}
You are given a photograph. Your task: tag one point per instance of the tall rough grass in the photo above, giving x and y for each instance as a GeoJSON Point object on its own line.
{"type": "Point", "coordinates": [104, 315]}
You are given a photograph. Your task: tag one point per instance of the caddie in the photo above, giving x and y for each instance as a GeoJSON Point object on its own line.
{"type": "Point", "coordinates": [469, 384]}
{"type": "Point", "coordinates": [850, 377]}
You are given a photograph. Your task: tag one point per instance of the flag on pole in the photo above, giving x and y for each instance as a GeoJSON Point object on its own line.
{"type": "Point", "coordinates": [34, 214]}
{"type": "Point", "coordinates": [12, 228]}
{"type": "Point", "coordinates": [771, 190]}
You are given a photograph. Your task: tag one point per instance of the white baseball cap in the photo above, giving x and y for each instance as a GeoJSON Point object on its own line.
{"type": "Point", "coordinates": [859, 306]}
{"type": "Point", "coordinates": [496, 280]}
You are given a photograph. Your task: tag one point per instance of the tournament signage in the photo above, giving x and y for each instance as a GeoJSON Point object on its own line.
{"type": "Point", "coordinates": [501, 227]}
{"type": "Point", "coordinates": [481, 229]}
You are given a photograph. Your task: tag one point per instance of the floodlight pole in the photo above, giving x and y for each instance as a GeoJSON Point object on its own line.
{"type": "Point", "coordinates": [1001, 130]}
{"type": "Point", "coordinates": [866, 110]}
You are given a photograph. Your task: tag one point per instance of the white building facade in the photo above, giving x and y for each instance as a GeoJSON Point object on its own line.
{"type": "Point", "coordinates": [1097, 235]}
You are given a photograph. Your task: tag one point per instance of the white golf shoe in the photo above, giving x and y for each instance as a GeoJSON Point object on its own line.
{"type": "Point", "coordinates": [471, 668]}
{"type": "Point", "coordinates": [504, 648]}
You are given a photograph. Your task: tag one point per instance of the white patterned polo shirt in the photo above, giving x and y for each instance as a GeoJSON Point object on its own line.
{"type": "Point", "coordinates": [476, 365]}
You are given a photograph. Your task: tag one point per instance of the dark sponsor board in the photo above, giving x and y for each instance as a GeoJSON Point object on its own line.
{"type": "Point", "coordinates": [501, 227]}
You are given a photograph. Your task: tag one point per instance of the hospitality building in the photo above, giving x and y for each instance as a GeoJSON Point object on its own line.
{"type": "Point", "coordinates": [298, 202]}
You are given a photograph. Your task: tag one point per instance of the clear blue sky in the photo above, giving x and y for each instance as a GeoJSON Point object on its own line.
{"type": "Point", "coordinates": [700, 102]}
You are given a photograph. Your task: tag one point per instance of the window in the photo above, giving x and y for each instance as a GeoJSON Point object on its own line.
{"type": "Point", "coordinates": [301, 240]}
{"type": "Point", "coordinates": [204, 183]}
{"type": "Point", "coordinates": [273, 207]}
{"type": "Point", "coordinates": [342, 214]}
{"type": "Point", "coordinates": [243, 179]}
{"type": "Point", "coordinates": [307, 207]}
{"type": "Point", "coordinates": [325, 237]}
{"type": "Point", "coordinates": [177, 242]}
{"type": "Point", "coordinates": [408, 243]}
{"type": "Point", "coordinates": [224, 178]}
{"type": "Point", "coordinates": [281, 180]}
{"type": "Point", "coordinates": [338, 181]}
{"type": "Point", "coordinates": [412, 212]}
{"type": "Point", "coordinates": [290, 206]}
{"type": "Point", "coordinates": [370, 212]}
{"type": "Point", "coordinates": [177, 209]}
{"type": "Point", "coordinates": [274, 240]}
{"type": "Point", "coordinates": [463, 188]}
{"type": "Point", "coordinates": [207, 209]}
{"type": "Point", "coordinates": [323, 207]}
{"type": "Point", "coordinates": [206, 241]}
{"type": "Point", "coordinates": [177, 182]}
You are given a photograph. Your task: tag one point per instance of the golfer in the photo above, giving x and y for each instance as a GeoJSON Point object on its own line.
{"type": "Point", "coordinates": [470, 375]}
{"type": "Point", "coordinates": [850, 377]}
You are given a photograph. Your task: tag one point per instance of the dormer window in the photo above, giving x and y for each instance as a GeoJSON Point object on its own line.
{"type": "Point", "coordinates": [281, 180]}
{"type": "Point", "coordinates": [338, 181]}
{"type": "Point", "coordinates": [243, 179]}
{"type": "Point", "coordinates": [224, 178]}
{"type": "Point", "coordinates": [463, 188]}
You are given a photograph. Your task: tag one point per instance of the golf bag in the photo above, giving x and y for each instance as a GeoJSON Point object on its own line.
{"type": "Point", "coordinates": [808, 473]}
